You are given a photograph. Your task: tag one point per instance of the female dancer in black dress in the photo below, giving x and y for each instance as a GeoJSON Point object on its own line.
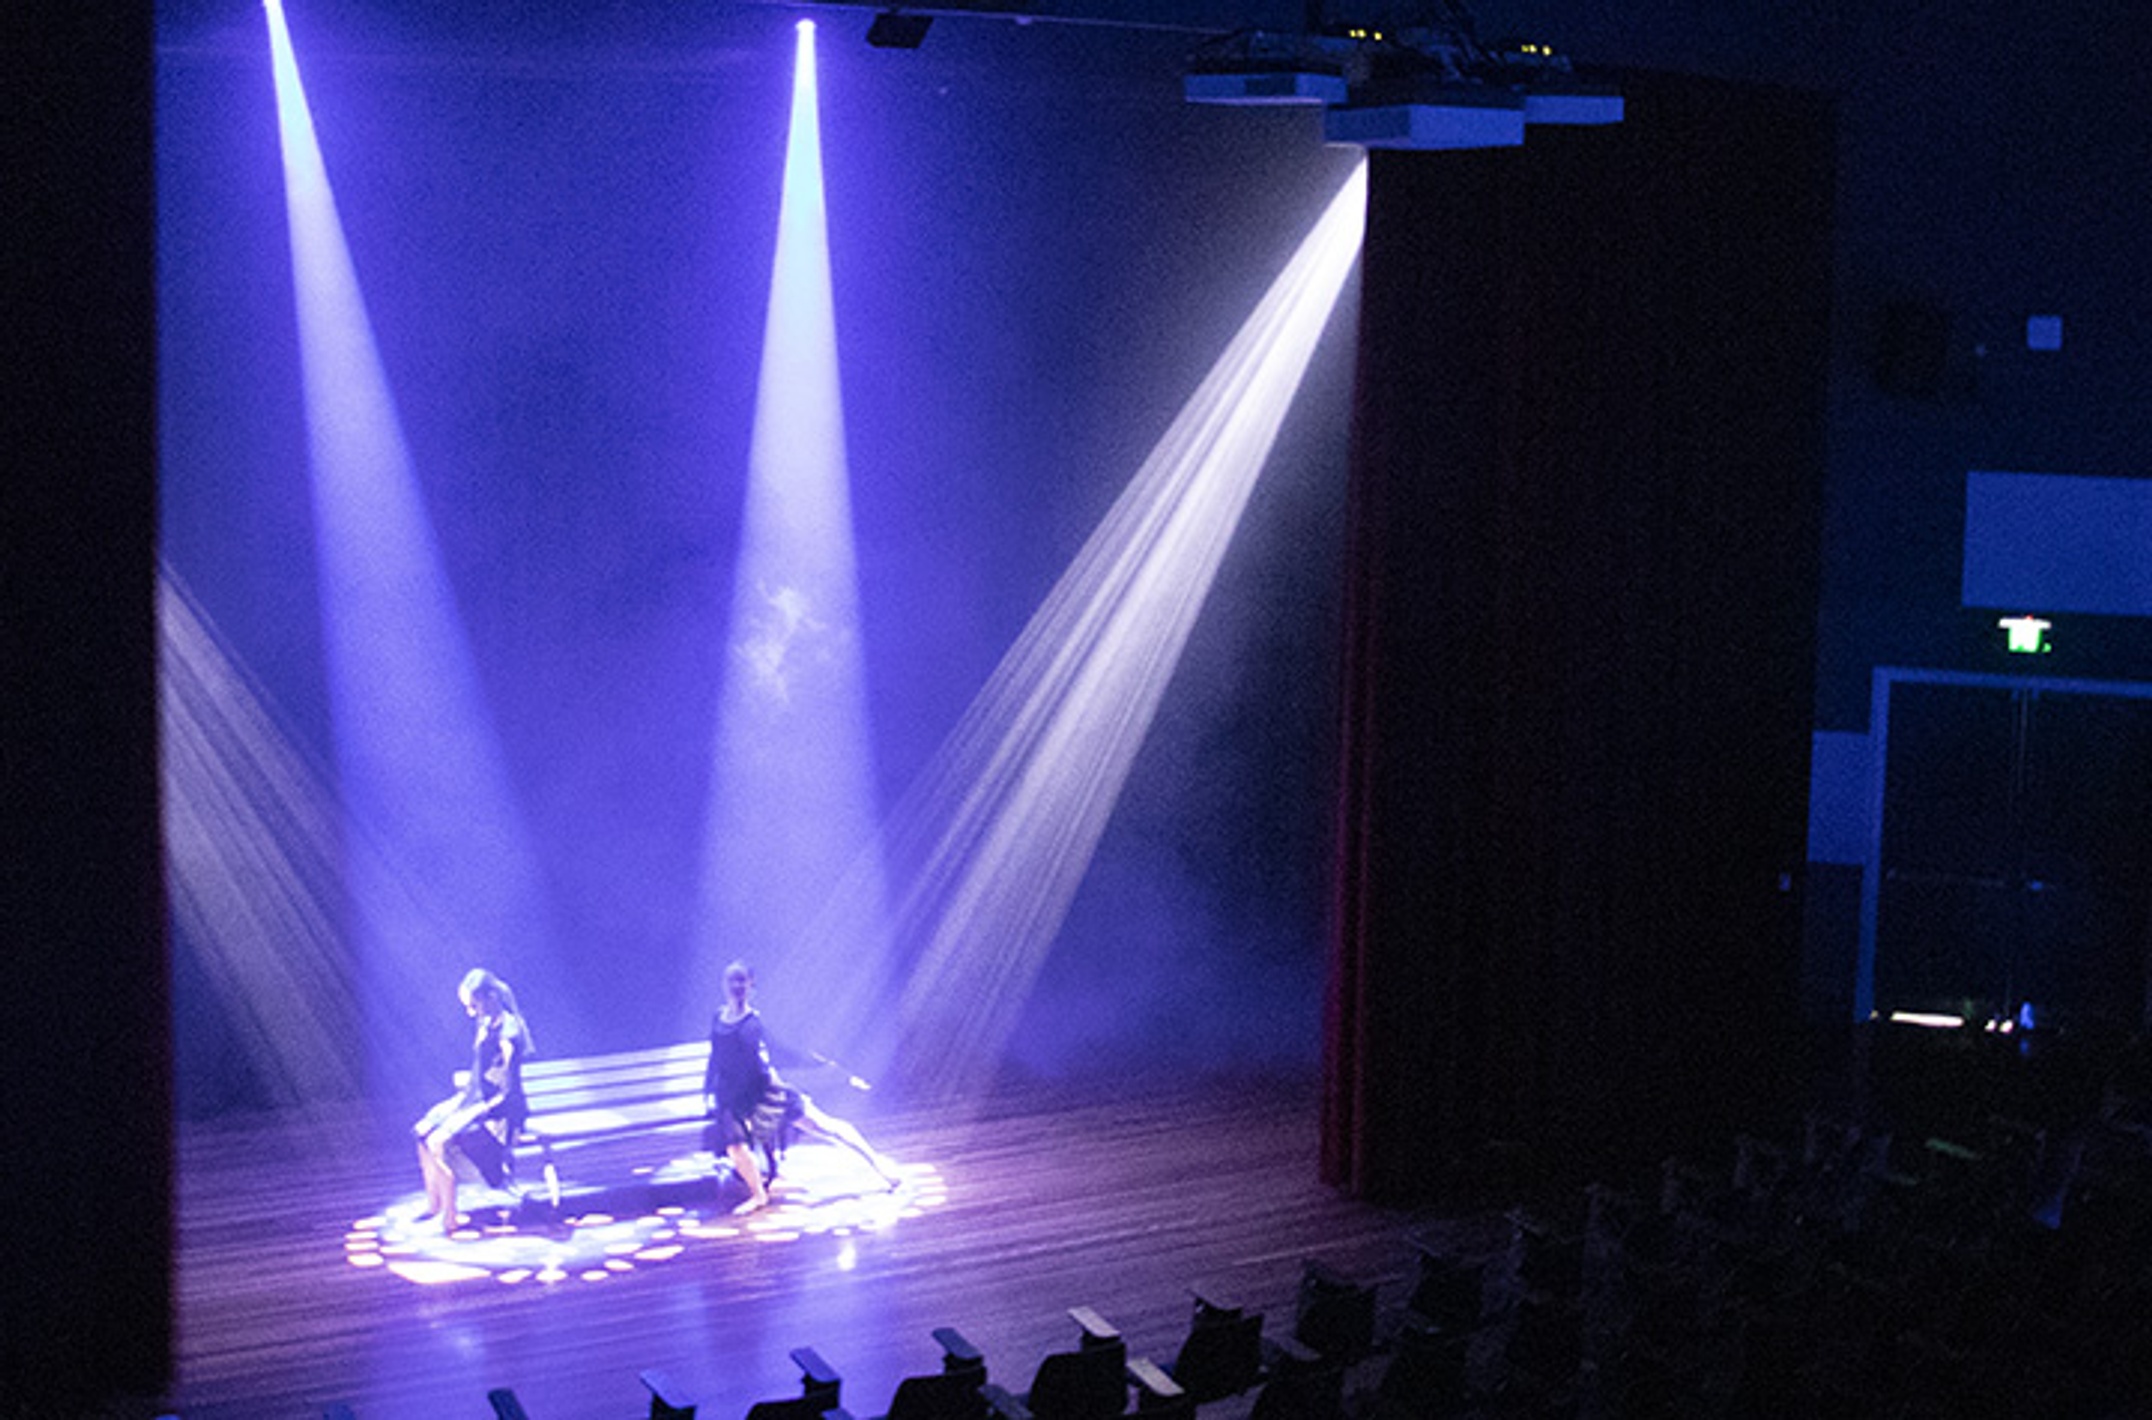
{"type": "Point", "coordinates": [477, 1125]}
{"type": "Point", "coordinates": [751, 1107]}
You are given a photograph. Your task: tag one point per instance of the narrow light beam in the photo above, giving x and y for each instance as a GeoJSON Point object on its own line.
{"type": "Point", "coordinates": [254, 860]}
{"type": "Point", "coordinates": [792, 783]}
{"type": "Point", "coordinates": [419, 772]}
{"type": "Point", "coordinates": [987, 850]}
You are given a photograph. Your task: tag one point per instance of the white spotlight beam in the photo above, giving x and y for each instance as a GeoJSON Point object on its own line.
{"type": "Point", "coordinates": [418, 768]}
{"type": "Point", "coordinates": [254, 863]}
{"type": "Point", "coordinates": [990, 847]}
{"type": "Point", "coordinates": [792, 782]}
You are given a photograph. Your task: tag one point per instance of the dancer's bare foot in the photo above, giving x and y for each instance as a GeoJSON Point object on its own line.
{"type": "Point", "coordinates": [756, 1202]}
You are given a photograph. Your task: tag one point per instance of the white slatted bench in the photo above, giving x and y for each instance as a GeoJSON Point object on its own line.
{"type": "Point", "coordinates": [581, 1102]}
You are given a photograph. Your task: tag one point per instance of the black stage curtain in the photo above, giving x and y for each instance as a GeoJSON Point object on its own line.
{"type": "Point", "coordinates": [1582, 561]}
{"type": "Point", "coordinates": [85, 1073]}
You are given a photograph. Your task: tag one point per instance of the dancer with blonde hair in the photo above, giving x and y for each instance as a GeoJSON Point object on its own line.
{"type": "Point", "coordinates": [476, 1127]}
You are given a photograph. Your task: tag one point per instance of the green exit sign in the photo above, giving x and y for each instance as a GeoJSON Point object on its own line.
{"type": "Point", "coordinates": [2027, 635]}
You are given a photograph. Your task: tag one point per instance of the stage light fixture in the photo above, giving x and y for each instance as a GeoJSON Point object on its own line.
{"type": "Point", "coordinates": [896, 29]}
{"type": "Point", "coordinates": [1256, 68]}
{"type": "Point", "coordinates": [1265, 88]}
{"type": "Point", "coordinates": [1433, 117]}
{"type": "Point", "coordinates": [1432, 88]}
{"type": "Point", "coordinates": [1577, 107]}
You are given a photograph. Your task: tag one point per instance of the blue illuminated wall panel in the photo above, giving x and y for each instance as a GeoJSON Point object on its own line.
{"type": "Point", "coordinates": [2057, 542]}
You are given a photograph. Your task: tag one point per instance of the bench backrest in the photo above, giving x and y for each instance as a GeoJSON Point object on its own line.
{"type": "Point", "coordinates": [632, 1091]}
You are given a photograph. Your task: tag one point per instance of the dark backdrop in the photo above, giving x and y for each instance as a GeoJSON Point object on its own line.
{"type": "Point", "coordinates": [1587, 464]}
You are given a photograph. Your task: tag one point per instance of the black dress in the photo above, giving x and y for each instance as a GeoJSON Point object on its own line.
{"type": "Point", "coordinates": [751, 1106]}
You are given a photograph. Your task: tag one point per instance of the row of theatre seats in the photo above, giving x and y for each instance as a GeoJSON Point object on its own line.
{"type": "Point", "coordinates": [1855, 1272]}
{"type": "Point", "coordinates": [2001, 1265]}
{"type": "Point", "coordinates": [1299, 1374]}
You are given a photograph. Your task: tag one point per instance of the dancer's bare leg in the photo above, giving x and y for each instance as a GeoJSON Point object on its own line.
{"type": "Point", "coordinates": [742, 1159]}
{"type": "Point", "coordinates": [820, 1121]}
{"type": "Point", "coordinates": [440, 1173]}
{"type": "Point", "coordinates": [449, 1218]}
{"type": "Point", "coordinates": [440, 1185]}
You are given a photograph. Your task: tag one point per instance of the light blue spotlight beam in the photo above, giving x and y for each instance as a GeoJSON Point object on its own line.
{"type": "Point", "coordinates": [419, 770]}
{"type": "Point", "coordinates": [792, 783]}
{"type": "Point", "coordinates": [987, 850]}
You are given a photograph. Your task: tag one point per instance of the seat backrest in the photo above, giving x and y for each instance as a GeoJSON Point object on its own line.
{"type": "Point", "coordinates": [1222, 1356]}
{"type": "Point", "coordinates": [946, 1395]}
{"type": "Point", "coordinates": [1447, 1292]}
{"type": "Point", "coordinates": [1090, 1383]}
{"type": "Point", "coordinates": [1425, 1374]}
{"type": "Point", "coordinates": [1301, 1386]}
{"type": "Point", "coordinates": [798, 1407]}
{"type": "Point", "coordinates": [1335, 1315]}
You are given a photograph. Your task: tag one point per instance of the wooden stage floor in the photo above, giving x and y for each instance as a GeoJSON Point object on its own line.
{"type": "Point", "coordinates": [302, 1285]}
